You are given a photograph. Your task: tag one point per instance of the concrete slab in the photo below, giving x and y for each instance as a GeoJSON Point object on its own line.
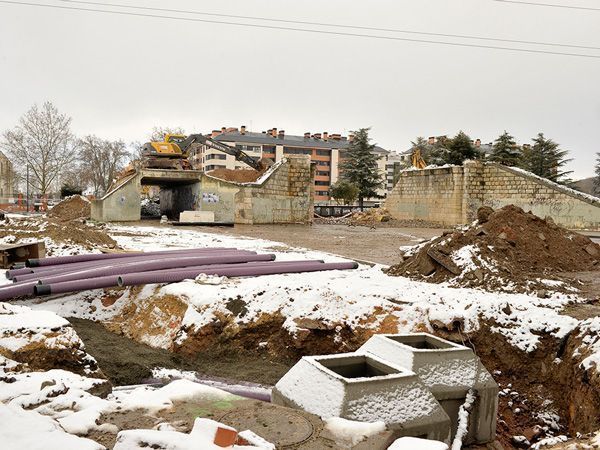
{"type": "Point", "coordinates": [364, 388]}
{"type": "Point", "coordinates": [449, 370]}
{"type": "Point", "coordinates": [197, 216]}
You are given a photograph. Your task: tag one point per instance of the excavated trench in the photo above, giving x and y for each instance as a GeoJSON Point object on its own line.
{"type": "Point", "coordinates": [546, 381]}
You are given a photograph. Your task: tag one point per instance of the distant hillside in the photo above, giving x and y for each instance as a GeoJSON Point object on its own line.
{"type": "Point", "coordinates": [586, 185]}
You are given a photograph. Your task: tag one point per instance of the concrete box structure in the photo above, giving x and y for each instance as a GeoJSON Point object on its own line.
{"type": "Point", "coordinates": [365, 388]}
{"type": "Point", "coordinates": [197, 216]}
{"type": "Point", "coordinates": [452, 195]}
{"type": "Point", "coordinates": [449, 371]}
{"type": "Point", "coordinates": [283, 194]}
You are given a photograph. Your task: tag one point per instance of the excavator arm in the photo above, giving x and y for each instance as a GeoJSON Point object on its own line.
{"type": "Point", "coordinates": [235, 152]}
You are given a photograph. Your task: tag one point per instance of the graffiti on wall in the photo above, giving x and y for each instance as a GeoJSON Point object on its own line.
{"type": "Point", "coordinates": [210, 197]}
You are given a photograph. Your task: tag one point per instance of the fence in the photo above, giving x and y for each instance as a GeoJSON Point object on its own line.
{"type": "Point", "coordinates": [338, 210]}
{"type": "Point", "coordinates": [18, 203]}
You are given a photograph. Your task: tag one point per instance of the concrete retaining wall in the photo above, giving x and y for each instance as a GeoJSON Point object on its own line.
{"type": "Point", "coordinates": [452, 195]}
{"type": "Point", "coordinates": [283, 195]}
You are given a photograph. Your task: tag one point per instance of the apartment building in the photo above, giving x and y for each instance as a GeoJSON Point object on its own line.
{"type": "Point", "coordinates": [7, 179]}
{"type": "Point", "coordinates": [326, 151]}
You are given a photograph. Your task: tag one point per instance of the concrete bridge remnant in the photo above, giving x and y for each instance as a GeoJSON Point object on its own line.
{"type": "Point", "coordinates": [283, 194]}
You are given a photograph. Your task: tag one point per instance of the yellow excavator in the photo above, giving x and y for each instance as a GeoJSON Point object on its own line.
{"type": "Point", "coordinates": [173, 152]}
{"type": "Point", "coordinates": [417, 159]}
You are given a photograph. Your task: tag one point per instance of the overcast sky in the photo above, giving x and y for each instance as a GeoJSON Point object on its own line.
{"type": "Point", "coordinates": [118, 76]}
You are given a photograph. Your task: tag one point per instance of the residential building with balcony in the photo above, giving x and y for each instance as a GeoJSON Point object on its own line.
{"type": "Point", "coordinates": [325, 150]}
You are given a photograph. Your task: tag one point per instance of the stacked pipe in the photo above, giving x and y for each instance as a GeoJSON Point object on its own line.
{"type": "Point", "coordinates": [59, 275]}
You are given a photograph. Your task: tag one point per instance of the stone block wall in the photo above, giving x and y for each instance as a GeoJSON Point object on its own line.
{"type": "Point", "coordinates": [452, 195]}
{"type": "Point", "coordinates": [433, 195]}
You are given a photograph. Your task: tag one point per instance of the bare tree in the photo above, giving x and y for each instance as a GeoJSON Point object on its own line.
{"type": "Point", "coordinates": [158, 133]}
{"type": "Point", "coordinates": [42, 141]}
{"type": "Point", "coordinates": [100, 161]}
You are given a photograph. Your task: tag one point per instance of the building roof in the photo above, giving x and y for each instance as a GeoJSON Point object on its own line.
{"type": "Point", "coordinates": [287, 139]}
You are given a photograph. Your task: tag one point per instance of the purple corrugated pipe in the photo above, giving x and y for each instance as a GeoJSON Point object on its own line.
{"type": "Point", "coordinates": [77, 267]}
{"type": "Point", "coordinates": [16, 290]}
{"type": "Point", "coordinates": [40, 262]}
{"type": "Point", "coordinates": [154, 264]}
{"type": "Point", "coordinates": [103, 257]}
{"type": "Point", "coordinates": [134, 279]}
{"type": "Point", "coordinates": [177, 275]}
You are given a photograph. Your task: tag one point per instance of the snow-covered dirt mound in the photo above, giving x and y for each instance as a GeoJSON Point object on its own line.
{"type": "Point", "coordinates": [504, 250]}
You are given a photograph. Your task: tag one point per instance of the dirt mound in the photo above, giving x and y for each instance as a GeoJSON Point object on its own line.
{"type": "Point", "coordinates": [505, 250]}
{"type": "Point", "coordinates": [370, 217]}
{"type": "Point", "coordinates": [74, 232]}
{"type": "Point", "coordinates": [237, 176]}
{"type": "Point", "coordinates": [71, 208]}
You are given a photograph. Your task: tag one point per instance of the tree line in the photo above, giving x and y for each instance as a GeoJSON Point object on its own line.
{"type": "Point", "coordinates": [43, 145]}
{"type": "Point", "coordinates": [543, 156]}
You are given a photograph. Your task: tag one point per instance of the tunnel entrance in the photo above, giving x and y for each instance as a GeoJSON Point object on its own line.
{"type": "Point", "coordinates": [176, 191]}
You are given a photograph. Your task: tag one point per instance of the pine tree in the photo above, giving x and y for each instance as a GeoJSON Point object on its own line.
{"type": "Point", "coordinates": [359, 166]}
{"type": "Point", "coordinates": [459, 149]}
{"type": "Point", "coordinates": [545, 158]}
{"type": "Point", "coordinates": [597, 180]}
{"type": "Point", "coordinates": [505, 150]}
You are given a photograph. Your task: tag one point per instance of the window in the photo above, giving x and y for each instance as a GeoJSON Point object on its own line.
{"type": "Point", "coordinates": [216, 156]}
{"type": "Point", "coordinates": [323, 163]}
{"type": "Point", "coordinates": [248, 148]}
{"type": "Point", "coordinates": [323, 152]}
{"type": "Point", "coordinates": [321, 183]}
{"type": "Point", "coordinates": [322, 193]}
{"type": "Point", "coordinates": [213, 167]}
{"type": "Point", "coordinates": [320, 173]}
{"type": "Point", "coordinates": [297, 151]}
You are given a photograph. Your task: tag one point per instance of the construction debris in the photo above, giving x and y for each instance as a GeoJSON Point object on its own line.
{"type": "Point", "coordinates": [504, 250]}
{"type": "Point", "coordinates": [237, 176]}
{"type": "Point", "coordinates": [71, 208]}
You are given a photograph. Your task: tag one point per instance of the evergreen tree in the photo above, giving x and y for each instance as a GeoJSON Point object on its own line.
{"type": "Point", "coordinates": [459, 149]}
{"type": "Point", "coordinates": [505, 150]}
{"type": "Point", "coordinates": [545, 158]}
{"type": "Point", "coordinates": [359, 166]}
{"type": "Point", "coordinates": [597, 180]}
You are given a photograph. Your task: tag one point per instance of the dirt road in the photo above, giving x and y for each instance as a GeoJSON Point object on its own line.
{"type": "Point", "coordinates": [380, 245]}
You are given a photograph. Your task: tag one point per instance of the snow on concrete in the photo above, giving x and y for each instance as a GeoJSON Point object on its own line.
{"type": "Point", "coordinates": [352, 432]}
{"type": "Point", "coordinates": [412, 443]}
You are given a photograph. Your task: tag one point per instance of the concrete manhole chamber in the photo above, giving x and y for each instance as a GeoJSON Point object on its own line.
{"type": "Point", "coordinates": [449, 371]}
{"type": "Point", "coordinates": [363, 388]}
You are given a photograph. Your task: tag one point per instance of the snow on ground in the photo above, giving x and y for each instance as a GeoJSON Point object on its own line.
{"type": "Point", "coordinates": [352, 432]}
{"type": "Point", "coordinates": [361, 297]}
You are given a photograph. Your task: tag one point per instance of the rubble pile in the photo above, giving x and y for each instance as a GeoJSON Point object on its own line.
{"type": "Point", "coordinates": [504, 250]}
{"type": "Point", "coordinates": [149, 208]}
{"type": "Point", "coordinates": [71, 208]}
{"type": "Point", "coordinates": [237, 176]}
{"type": "Point", "coordinates": [370, 217]}
{"type": "Point", "coordinates": [59, 235]}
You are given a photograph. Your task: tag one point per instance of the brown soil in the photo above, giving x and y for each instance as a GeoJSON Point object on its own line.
{"type": "Point", "coordinates": [71, 208]}
{"type": "Point", "coordinates": [125, 361]}
{"type": "Point", "coordinates": [513, 247]}
{"type": "Point", "coordinates": [78, 232]}
{"type": "Point", "coordinates": [238, 176]}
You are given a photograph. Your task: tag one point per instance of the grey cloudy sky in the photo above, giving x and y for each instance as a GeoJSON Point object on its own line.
{"type": "Point", "coordinates": [118, 76]}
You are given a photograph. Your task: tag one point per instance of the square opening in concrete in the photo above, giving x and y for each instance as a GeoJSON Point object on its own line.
{"type": "Point", "coordinates": [422, 341]}
{"type": "Point", "coordinates": [358, 367]}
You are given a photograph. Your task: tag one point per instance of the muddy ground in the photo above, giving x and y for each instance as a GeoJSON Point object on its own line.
{"type": "Point", "coordinates": [380, 245]}
{"type": "Point", "coordinates": [125, 361]}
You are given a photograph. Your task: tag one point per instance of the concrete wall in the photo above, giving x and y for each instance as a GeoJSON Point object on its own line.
{"type": "Point", "coordinates": [285, 195]}
{"type": "Point", "coordinates": [7, 179]}
{"type": "Point", "coordinates": [452, 195]}
{"type": "Point", "coordinates": [122, 204]}
{"type": "Point", "coordinates": [433, 195]}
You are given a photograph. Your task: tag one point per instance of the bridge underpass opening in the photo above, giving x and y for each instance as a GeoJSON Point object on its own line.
{"type": "Point", "coordinates": [176, 193]}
